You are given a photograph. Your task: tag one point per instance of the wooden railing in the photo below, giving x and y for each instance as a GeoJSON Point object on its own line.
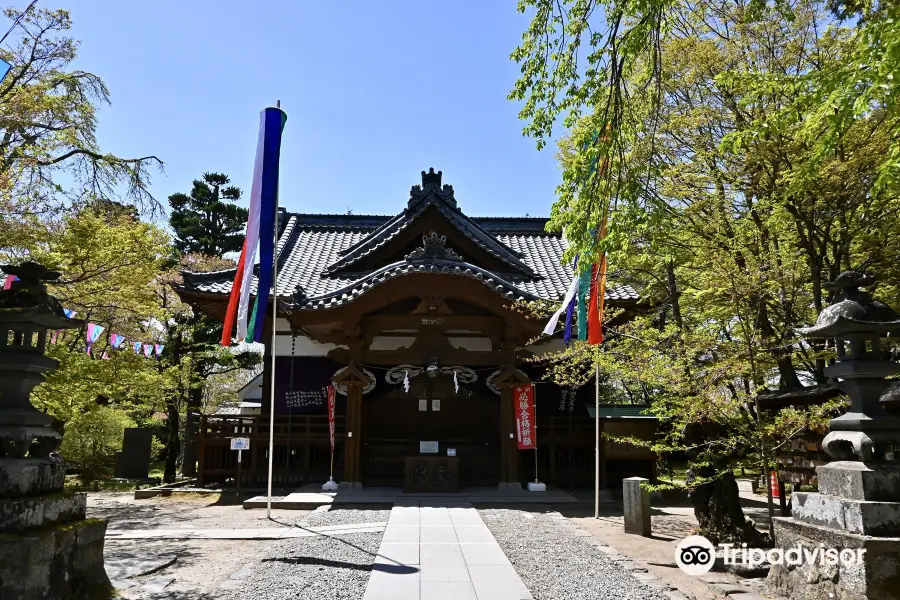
{"type": "Point", "coordinates": [301, 449]}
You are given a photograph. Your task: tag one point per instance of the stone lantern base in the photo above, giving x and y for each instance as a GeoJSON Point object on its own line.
{"type": "Point", "coordinates": [47, 547]}
{"type": "Point", "coordinates": [857, 509]}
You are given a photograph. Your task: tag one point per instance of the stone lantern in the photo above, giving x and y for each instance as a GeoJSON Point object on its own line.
{"type": "Point", "coordinates": [857, 508]}
{"type": "Point", "coordinates": [47, 547]}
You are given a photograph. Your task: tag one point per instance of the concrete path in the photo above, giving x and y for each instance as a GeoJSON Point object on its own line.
{"type": "Point", "coordinates": [311, 496]}
{"type": "Point", "coordinates": [259, 533]}
{"type": "Point", "coordinates": [441, 553]}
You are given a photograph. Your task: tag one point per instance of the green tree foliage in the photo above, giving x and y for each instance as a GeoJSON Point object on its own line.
{"type": "Point", "coordinates": [91, 440]}
{"type": "Point", "coordinates": [725, 208]}
{"type": "Point", "coordinates": [604, 59]}
{"type": "Point", "coordinates": [55, 182]}
{"type": "Point", "coordinates": [48, 119]}
{"type": "Point", "coordinates": [192, 358]}
{"type": "Point", "coordinates": [208, 221]}
{"type": "Point", "coordinates": [110, 264]}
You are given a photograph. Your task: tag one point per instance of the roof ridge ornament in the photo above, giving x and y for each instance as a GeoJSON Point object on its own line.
{"type": "Point", "coordinates": [431, 185]}
{"type": "Point", "coordinates": [434, 247]}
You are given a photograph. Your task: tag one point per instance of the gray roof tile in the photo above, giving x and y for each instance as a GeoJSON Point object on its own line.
{"type": "Point", "coordinates": [310, 243]}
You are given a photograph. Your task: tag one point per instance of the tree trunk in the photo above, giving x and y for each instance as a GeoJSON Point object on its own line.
{"type": "Point", "coordinates": [717, 506]}
{"type": "Point", "coordinates": [674, 294]}
{"type": "Point", "coordinates": [173, 444]}
{"type": "Point", "coordinates": [189, 464]}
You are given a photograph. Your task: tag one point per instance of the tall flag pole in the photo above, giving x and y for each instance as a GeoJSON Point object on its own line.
{"type": "Point", "coordinates": [591, 283]}
{"type": "Point", "coordinates": [272, 377]}
{"type": "Point", "coordinates": [274, 119]}
{"type": "Point", "coordinates": [597, 434]}
{"type": "Point", "coordinates": [595, 337]}
{"type": "Point", "coordinates": [262, 230]}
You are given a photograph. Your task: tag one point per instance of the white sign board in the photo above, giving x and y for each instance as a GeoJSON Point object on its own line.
{"type": "Point", "coordinates": [428, 447]}
{"type": "Point", "coordinates": [240, 443]}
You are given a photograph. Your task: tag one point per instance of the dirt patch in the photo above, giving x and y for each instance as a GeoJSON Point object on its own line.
{"type": "Point", "coordinates": [183, 511]}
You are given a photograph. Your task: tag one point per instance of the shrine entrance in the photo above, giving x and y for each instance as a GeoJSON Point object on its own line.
{"type": "Point", "coordinates": [463, 420]}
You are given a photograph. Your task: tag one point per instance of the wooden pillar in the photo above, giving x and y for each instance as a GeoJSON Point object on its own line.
{"type": "Point", "coordinates": [354, 380]}
{"type": "Point", "coordinates": [354, 429]}
{"type": "Point", "coordinates": [509, 453]}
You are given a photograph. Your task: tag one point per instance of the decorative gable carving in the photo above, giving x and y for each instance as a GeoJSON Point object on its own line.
{"type": "Point", "coordinates": [434, 247]}
{"type": "Point", "coordinates": [431, 184]}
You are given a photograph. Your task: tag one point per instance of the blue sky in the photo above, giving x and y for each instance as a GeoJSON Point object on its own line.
{"type": "Point", "coordinates": [375, 92]}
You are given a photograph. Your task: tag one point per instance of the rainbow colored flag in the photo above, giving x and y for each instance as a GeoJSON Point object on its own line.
{"type": "Point", "coordinates": [261, 231]}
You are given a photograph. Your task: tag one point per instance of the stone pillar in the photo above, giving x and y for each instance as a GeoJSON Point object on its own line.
{"type": "Point", "coordinates": [855, 516]}
{"type": "Point", "coordinates": [636, 505]}
{"type": "Point", "coordinates": [47, 547]}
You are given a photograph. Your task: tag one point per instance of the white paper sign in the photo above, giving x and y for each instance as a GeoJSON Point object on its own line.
{"type": "Point", "coordinates": [436, 404]}
{"type": "Point", "coordinates": [240, 443]}
{"type": "Point", "coordinates": [423, 404]}
{"type": "Point", "coordinates": [428, 447]}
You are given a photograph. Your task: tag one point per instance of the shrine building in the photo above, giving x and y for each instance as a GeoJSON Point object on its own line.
{"type": "Point", "coordinates": [413, 318]}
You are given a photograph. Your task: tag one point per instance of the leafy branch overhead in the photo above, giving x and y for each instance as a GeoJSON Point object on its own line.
{"type": "Point", "coordinates": [48, 122]}
{"type": "Point", "coordinates": [600, 66]}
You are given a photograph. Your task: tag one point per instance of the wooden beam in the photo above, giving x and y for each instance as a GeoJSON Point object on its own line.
{"type": "Point", "coordinates": [405, 356]}
{"type": "Point", "coordinates": [379, 323]}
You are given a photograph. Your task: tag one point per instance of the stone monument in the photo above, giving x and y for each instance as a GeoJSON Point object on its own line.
{"type": "Point", "coordinates": [636, 505]}
{"type": "Point", "coordinates": [47, 547]}
{"type": "Point", "coordinates": [857, 507]}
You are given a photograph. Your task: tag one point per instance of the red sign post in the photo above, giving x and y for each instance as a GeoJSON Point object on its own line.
{"type": "Point", "coordinates": [331, 416]}
{"type": "Point", "coordinates": [523, 399]}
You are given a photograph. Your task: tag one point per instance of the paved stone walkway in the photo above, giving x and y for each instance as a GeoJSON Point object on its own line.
{"type": "Point", "coordinates": [441, 553]}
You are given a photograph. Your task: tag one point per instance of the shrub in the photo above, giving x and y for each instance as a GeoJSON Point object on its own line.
{"type": "Point", "coordinates": [91, 440]}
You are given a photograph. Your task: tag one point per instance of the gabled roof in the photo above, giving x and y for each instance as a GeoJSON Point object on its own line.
{"type": "Point", "coordinates": [429, 194]}
{"type": "Point", "coordinates": [314, 249]}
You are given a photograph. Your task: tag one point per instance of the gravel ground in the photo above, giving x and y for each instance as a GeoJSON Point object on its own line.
{"type": "Point", "coordinates": [315, 567]}
{"type": "Point", "coordinates": [555, 564]}
{"type": "Point", "coordinates": [325, 516]}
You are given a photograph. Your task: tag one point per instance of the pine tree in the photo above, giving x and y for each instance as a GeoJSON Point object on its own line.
{"type": "Point", "coordinates": [208, 221]}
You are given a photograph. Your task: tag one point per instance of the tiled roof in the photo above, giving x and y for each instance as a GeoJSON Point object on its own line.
{"type": "Point", "coordinates": [315, 252]}
{"type": "Point", "coordinates": [312, 242]}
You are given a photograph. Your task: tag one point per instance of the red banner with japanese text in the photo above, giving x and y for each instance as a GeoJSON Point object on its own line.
{"type": "Point", "coordinates": [331, 398]}
{"type": "Point", "coordinates": [523, 400]}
